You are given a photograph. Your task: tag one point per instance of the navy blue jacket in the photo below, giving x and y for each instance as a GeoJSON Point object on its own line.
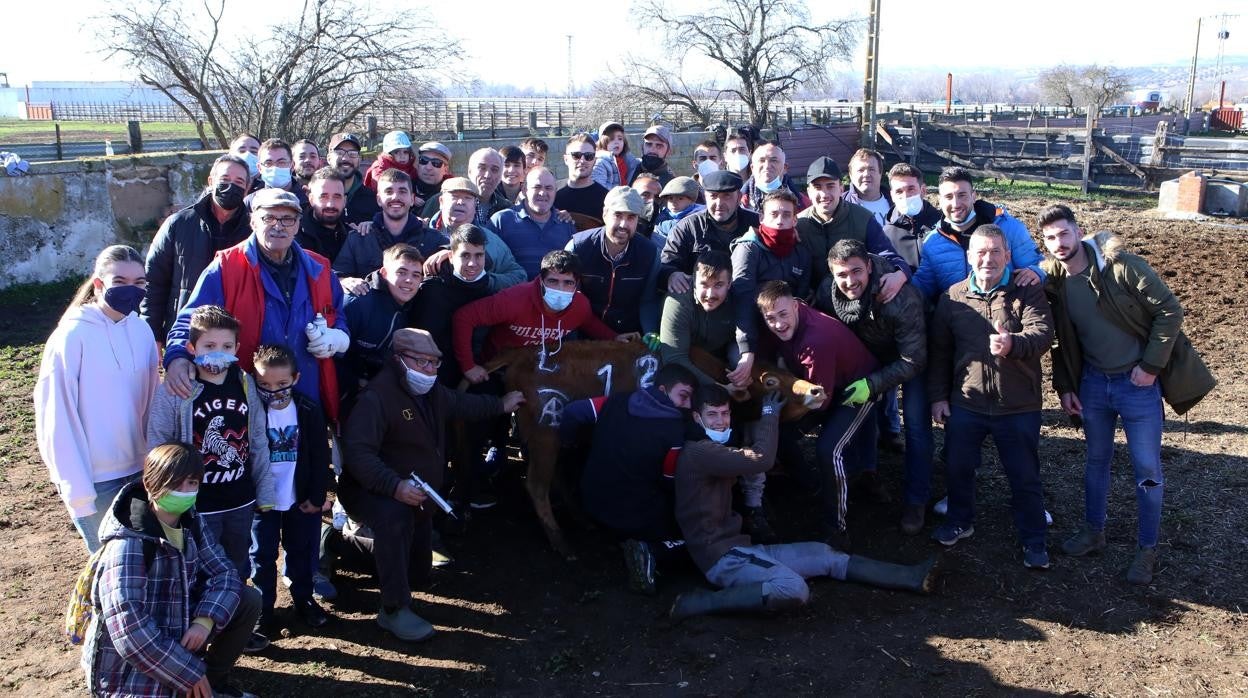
{"type": "Point", "coordinates": [362, 254]}
{"type": "Point", "coordinates": [623, 293]}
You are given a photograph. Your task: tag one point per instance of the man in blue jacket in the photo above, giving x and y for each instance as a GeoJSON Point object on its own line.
{"type": "Point", "coordinates": [942, 262]}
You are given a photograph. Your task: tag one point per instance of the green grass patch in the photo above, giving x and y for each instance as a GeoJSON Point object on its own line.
{"type": "Point", "coordinates": [18, 131]}
{"type": "Point", "coordinates": [1127, 198]}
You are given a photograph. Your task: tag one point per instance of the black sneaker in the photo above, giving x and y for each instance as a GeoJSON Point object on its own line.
{"type": "Point", "coordinates": [892, 442]}
{"type": "Point", "coordinates": [639, 560]}
{"type": "Point", "coordinates": [311, 613]}
{"type": "Point", "coordinates": [256, 643]}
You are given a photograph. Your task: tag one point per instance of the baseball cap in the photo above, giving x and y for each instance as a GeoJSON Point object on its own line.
{"type": "Point", "coordinates": [436, 147]}
{"type": "Point", "coordinates": [823, 167]}
{"type": "Point", "coordinates": [273, 197]}
{"type": "Point", "coordinates": [624, 199]}
{"type": "Point", "coordinates": [461, 184]}
{"type": "Point", "coordinates": [721, 181]}
{"type": "Point", "coordinates": [395, 140]}
{"type": "Point", "coordinates": [340, 138]}
{"type": "Point", "coordinates": [661, 131]}
{"type": "Point", "coordinates": [681, 186]}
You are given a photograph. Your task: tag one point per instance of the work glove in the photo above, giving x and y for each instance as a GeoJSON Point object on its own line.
{"type": "Point", "coordinates": [331, 341]}
{"type": "Point", "coordinates": [772, 402]}
{"type": "Point", "coordinates": [651, 340]}
{"type": "Point", "coordinates": [316, 328]}
{"type": "Point", "coordinates": [856, 393]}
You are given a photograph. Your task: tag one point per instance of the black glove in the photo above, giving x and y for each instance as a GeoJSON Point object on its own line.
{"type": "Point", "coordinates": [772, 402]}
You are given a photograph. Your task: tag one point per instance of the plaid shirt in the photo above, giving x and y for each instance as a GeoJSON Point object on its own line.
{"type": "Point", "coordinates": [133, 644]}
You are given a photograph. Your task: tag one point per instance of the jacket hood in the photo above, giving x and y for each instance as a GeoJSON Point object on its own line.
{"type": "Point", "coordinates": [652, 403]}
{"type": "Point", "coordinates": [117, 334]}
{"type": "Point", "coordinates": [131, 516]}
{"type": "Point", "coordinates": [1105, 245]}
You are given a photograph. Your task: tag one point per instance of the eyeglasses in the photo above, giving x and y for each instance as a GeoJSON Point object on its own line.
{"type": "Point", "coordinates": [276, 163]}
{"type": "Point", "coordinates": [284, 221]}
{"type": "Point", "coordinates": [430, 161]}
{"type": "Point", "coordinates": [581, 156]}
{"type": "Point", "coordinates": [347, 154]}
{"type": "Point", "coordinates": [422, 364]}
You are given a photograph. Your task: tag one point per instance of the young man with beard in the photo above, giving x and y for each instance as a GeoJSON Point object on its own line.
{"type": "Point", "coordinates": [187, 241]}
{"type": "Point", "coordinates": [771, 252]}
{"type": "Point", "coordinates": [753, 577]}
{"type": "Point", "coordinates": [1119, 353]}
{"type": "Point", "coordinates": [986, 339]}
{"type": "Point", "coordinates": [579, 193]}
{"type": "Point", "coordinates": [656, 145]}
{"type": "Point", "coordinates": [323, 228]}
{"type": "Point", "coordinates": [362, 254]}
{"type": "Point", "coordinates": [822, 350]}
{"type": "Point", "coordinates": [375, 315]}
{"type": "Point", "coordinates": [894, 333]}
{"type": "Point", "coordinates": [344, 156]}
{"type": "Point", "coordinates": [532, 228]}
{"type": "Point", "coordinates": [307, 156]}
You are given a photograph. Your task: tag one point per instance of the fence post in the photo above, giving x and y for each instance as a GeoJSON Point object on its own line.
{"type": "Point", "coordinates": [788, 114]}
{"type": "Point", "coordinates": [1089, 150]}
{"type": "Point", "coordinates": [371, 123]}
{"type": "Point", "coordinates": [60, 154]}
{"type": "Point", "coordinates": [134, 136]}
{"type": "Point", "coordinates": [493, 113]}
{"type": "Point", "coordinates": [914, 139]}
{"type": "Point", "coordinates": [533, 121]}
{"type": "Point", "coordinates": [459, 125]}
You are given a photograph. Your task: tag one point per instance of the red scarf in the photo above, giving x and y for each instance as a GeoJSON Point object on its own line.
{"type": "Point", "coordinates": [780, 241]}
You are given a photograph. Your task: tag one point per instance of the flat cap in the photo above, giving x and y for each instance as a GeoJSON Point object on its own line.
{"type": "Point", "coordinates": [721, 181]}
{"type": "Point", "coordinates": [682, 186]}
{"type": "Point", "coordinates": [461, 184]}
{"type": "Point", "coordinates": [274, 197]}
{"type": "Point", "coordinates": [624, 199]}
{"type": "Point", "coordinates": [411, 341]}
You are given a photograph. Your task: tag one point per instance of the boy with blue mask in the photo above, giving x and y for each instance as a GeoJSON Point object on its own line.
{"type": "Point", "coordinates": [224, 419]}
{"type": "Point", "coordinates": [753, 577]}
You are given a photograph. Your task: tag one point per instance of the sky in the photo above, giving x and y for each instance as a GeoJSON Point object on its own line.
{"type": "Point", "coordinates": [955, 36]}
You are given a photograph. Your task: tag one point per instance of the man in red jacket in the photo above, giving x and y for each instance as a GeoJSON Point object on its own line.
{"type": "Point", "coordinates": [541, 312]}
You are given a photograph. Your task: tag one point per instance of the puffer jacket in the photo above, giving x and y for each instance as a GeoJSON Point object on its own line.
{"type": "Point", "coordinates": [943, 258]}
{"type": "Point", "coordinates": [907, 232]}
{"type": "Point", "coordinates": [607, 173]}
{"type": "Point", "coordinates": [962, 371]}
{"type": "Point", "coordinates": [894, 332]}
{"type": "Point", "coordinates": [1132, 296]}
{"type": "Point", "coordinates": [133, 645]}
{"type": "Point", "coordinates": [753, 264]}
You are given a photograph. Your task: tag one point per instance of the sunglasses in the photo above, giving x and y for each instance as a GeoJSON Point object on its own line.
{"type": "Point", "coordinates": [430, 161]}
{"type": "Point", "coordinates": [581, 156]}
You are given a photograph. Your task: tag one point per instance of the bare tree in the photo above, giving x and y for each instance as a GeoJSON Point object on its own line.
{"type": "Point", "coordinates": [306, 77]}
{"type": "Point", "coordinates": [770, 47]}
{"type": "Point", "coordinates": [1077, 87]}
{"type": "Point", "coordinates": [681, 101]}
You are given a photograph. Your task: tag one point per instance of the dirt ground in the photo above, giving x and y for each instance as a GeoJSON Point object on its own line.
{"type": "Point", "coordinates": [514, 618]}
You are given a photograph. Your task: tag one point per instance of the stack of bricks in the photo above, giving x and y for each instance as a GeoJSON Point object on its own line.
{"type": "Point", "coordinates": [1191, 193]}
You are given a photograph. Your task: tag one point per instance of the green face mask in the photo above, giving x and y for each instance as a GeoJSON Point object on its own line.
{"type": "Point", "coordinates": [177, 502]}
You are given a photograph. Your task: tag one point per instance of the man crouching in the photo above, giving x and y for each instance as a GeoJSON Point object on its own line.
{"type": "Point", "coordinates": [754, 577]}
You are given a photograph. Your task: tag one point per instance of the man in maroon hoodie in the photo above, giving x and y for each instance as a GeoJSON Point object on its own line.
{"type": "Point", "coordinates": [539, 312]}
{"type": "Point", "coordinates": [824, 351]}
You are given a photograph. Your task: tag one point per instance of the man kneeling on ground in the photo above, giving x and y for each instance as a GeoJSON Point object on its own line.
{"type": "Point", "coordinates": [754, 577]}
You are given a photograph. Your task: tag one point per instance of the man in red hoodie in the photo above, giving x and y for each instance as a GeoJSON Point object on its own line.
{"type": "Point", "coordinates": [541, 312]}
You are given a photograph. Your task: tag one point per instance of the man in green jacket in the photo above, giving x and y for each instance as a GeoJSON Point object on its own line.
{"type": "Point", "coordinates": [1119, 351]}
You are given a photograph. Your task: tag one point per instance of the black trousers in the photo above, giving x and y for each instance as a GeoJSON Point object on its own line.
{"type": "Point", "coordinates": [402, 545]}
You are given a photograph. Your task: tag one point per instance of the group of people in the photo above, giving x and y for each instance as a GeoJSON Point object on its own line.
{"type": "Point", "coordinates": [313, 322]}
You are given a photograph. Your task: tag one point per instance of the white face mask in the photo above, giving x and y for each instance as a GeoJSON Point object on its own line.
{"type": "Point", "coordinates": [719, 437]}
{"type": "Point", "coordinates": [461, 277]}
{"type": "Point", "coordinates": [914, 205]}
{"type": "Point", "coordinates": [419, 383]}
{"type": "Point", "coordinates": [556, 299]}
{"type": "Point", "coordinates": [737, 161]}
{"type": "Point", "coordinates": [706, 167]}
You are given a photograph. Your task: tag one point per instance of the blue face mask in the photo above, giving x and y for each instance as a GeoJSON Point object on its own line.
{"type": "Point", "coordinates": [253, 164]}
{"type": "Point", "coordinates": [124, 299]}
{"type": "Point", "coordinates": [771, 186]}
{"type": "Point", "coordinates": [719, 437]}
{"type": "Point", "coordinates": [557, 300]}
{"type": "Point", "coordinates": [278, 177]}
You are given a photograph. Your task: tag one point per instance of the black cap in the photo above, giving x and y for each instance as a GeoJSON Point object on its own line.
{"type": "Point", "coordinates": [340, 138]}
{"type": "Point", "coordinates": [722, 180]}
{"type": "Point", "coordinates": [823, 167]}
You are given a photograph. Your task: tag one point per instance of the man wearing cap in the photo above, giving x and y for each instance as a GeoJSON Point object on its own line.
{"type": "Point", "coordinates": [323, 229]}
{"type": "Point", "coordinates": [619, 269]}
{"type": "Point", "coordinates": [188, 239]}
{"type": "Point", "coordinates": [396, 430]}
{"type": "Point", "coordinates": [361, 255]}
{"type": "Point", "coordinates": [531, 229]}
{"type": "Point", "coordinates": [769, 173]}
{"type": "Point", "coordinates": [656, 145]}
{"type": "Point", "coordinates": [485, 169]}
{"type": "Point", "coordinates": [679, 198]}
{"type": "Point", "coordinates": [396, 154]}
{"type": "Point", "coordinates": [579, 193]}
{"type": "Point", "coordinates": [830, 219]}
{"type": "Point", "coordinates": [713, 229]}
{"type": "Point", "coordinates": [433, 166]}
{"type": "Point", "coordinates": [456, 206]}
{"type": "Point", "coordinates": [344, 156]}
{"type": "Point", "coordinates": [280, 294]}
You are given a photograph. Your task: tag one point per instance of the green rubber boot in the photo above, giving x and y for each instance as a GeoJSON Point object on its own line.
{"type": "Point", "coordinates": [887, 575]}
{"type": "Point", "coordinates": [748, 597]}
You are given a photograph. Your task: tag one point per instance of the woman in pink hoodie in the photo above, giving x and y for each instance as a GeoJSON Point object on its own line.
{"type": "Point", "coordinates": [96, 381]}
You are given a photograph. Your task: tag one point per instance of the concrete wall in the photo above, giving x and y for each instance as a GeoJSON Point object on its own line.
{"type": "Point", "coordinates": [54, 220]}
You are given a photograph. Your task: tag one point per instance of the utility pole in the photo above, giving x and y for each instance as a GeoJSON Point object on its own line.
{"type": "Point", "coordinates": [1191, 80]}
{"type": "Point", "coordinates": [866, 135]}
{"type": "Point", "coordinates": [571, 85]}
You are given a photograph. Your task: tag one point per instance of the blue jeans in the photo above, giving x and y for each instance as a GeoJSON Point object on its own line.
{"type": "Point", "coordinates": [918, 428]}
{"type": "Point", "coordinates": [1017, 437]}
{"type": "Point", "coordinates": [1105, 398]}
{"type": "Point", "coordinates": [105, 492]}
{"type": "Point", "coordinates": [232, 531]}
{"type": "Point", "coordinates": [887, 417]}
{"type": "Point", "coordinates": [846, 444]}
{"type": "Point", "coordinates": [300, 536]}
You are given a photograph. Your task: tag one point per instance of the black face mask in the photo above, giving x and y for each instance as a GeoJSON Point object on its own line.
{"type": "Point", "coordinates": [228, 195]}
{"type": "Point", "coordinates": [652, 163]}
